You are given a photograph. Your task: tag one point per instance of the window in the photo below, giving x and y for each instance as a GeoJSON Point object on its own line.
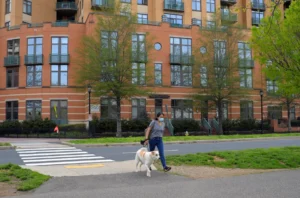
{"type": "Point", "coordinates": [27, 7]}
{"type": "Point", "coordinates": [143, 18]}
{"type": "Point", "coordinates": [181, 48]}
{"type": "Point", "coordinates": [272, 87]}
{"type": "Point", "coordinates": [182, 109]}
{"type": "Point", "coordinates": [59, 111]}
{"type": "Point", "coordinates": [181, 75]}
{"type": "Point", "coordinates": [12, 112]}
{"type": "Point", "coordinates": [138, 108]}
{"type": "Point", "coordinates": [245, 78]}
{"type": "Point", "coordinates": [7, 6]}
{"type": "Point", "coordinates": [126, 1]}
{"type": "Point", "coordinates": [33, 109]}
{"type": "Point", "coordinates": [13, 47]}
{"type": "Point", "coordinates": [59, 75]}
{"type": "Point", "coordinates": [138, 73]}
{"type": "Point", "coordinates": [109, 44]}
{"type": "Point", "coordinates": [196, 5]}
{"type": "Point", "coordinates": [108, 71]}
{"type": "Point", "coordinates": [7, 24]}
{"type": "Point", "coordinates": [210, 5]}
{"type": "Point", "coordinates": [108, 108]}
{"type": "Point", "coordinates": [138, 48]}
{"type": "Point", "coordinates": [275, 112]}
{"type": "Point", "coordinates": [60, 45]}
{"type": "Point", "coordinates": [293, 113]}
{"type": "Point", "coordinates": [204, 110]}
{"type": "Point", "coordinates": [257, 16]}
{"type": "Point", "coordinates": [197, 22]}
{"type": "Point", "coordinates": [158, 74]}
{"type": "Point", "coordinates": [211, 24]}
{"type": "Point", "coordinates": [35, 46]}
{"type": "Point", "coordinates": [245, 54]}
{"type": "Point", "coordinates": [12, 77]}
{"type": "Point", "coordinates": [157, 46]}
{"type": "Point", "coordinates": [158, 106]}
{"type": "Point", "coordinates": [34, 75]}
{"type": "Point", "coordinates": [224, 110]}
{"type": "Point", "coordinates": [173, 19]}
{"type": "Point", "coordinates": [203, 76]}
{"type": "Point", "coordinates": [246, 108]}
{"type": "Point", "coordinates": [142, 2]}
{"type": "Point", "coordinates": [220, 54]}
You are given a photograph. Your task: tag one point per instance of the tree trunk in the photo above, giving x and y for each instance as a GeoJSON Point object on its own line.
{"type": "Point", "coordinates": [289, 116]}
{"type": "Point", "coordinates": [119, 127]}
{"type": "Point", "coordinates": [220, 112]}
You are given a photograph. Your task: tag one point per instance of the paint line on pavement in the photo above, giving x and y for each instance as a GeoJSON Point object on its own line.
{"type": "Point", "coordinates": [51, 151]}
{"type": "Point", "coordinates": [40, 149]}
{"type": "Point", "coordinates": [59, 156]}
{"type": "Point", "coordinates": [64, 159]}
{"type": "Point", "coordinates": [175, 150]}
{"type": "Point", "coordinates": [45, 154]}
{"type": "Point", "coordinates": [75, 162]}
{"type": "Point", "coordinates": [85, 166]}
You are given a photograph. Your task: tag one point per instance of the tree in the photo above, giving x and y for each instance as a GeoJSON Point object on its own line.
{"type": "Point", "coordinates": [113, 59]}
{"type": "Point", "coordinates": [276, 43]}
{"type": "Point", "coordinates": [219, 65]}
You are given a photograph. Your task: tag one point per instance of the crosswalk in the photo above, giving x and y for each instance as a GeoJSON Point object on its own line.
{"type": "Point", "coordinates": [48, 154]}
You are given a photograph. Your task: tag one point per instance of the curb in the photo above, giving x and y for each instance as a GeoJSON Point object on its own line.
{"type": "Point", "coordinates": [180, 142]}
{"type": "Point", "coordinates": [6, 147]}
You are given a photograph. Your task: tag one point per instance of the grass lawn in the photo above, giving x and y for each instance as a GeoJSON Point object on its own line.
{"type": "Point", "coordinates": [25, 179]}
{"type": "Point", "coordinates": [5, 144]}
{"type": "Point", "coordinates": [177, 138]}
{"type": "Point", "coordinates": [272, 158]}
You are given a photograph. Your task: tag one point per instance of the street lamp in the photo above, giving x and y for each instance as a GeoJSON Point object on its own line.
{"type": "Point", "coordinates": [261, 93]}
{"type": "Point", "coordinates": [89, 91]}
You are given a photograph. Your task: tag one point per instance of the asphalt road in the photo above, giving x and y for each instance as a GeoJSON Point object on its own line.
{"type": "Point", "coordinates": [122, 153]}
{"type": "Point", "coordinates": [135, 185]}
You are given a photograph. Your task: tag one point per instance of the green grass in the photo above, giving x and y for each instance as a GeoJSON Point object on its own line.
{"type": "Point", "coordinates": [176, 138]}
{"type": "Point", "coordinates": [272, 158]}
{"type": "Point", "coordinates": [5, 144]}
{"type": "Point", "coordinates": [25, 179]}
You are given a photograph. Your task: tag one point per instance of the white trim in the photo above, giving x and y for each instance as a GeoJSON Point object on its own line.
{"type": "Point", "coordinates": [59, 35]}
{"type": "Point", "coordinates": [177, 36]}
{"type": "Point", "coordinates": [13, 39]}
{"type": "Point", "coordinates": [35, 36]}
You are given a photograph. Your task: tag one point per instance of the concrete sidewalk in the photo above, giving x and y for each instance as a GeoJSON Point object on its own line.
{"type": "Point", "coordinates": [87, 169]}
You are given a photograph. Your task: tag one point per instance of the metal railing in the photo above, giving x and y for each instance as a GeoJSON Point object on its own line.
{"type": "Point", "coordinates": [258, 6]}
{"type": "Point", "coordinates": [232, 17]}
{"type": "Point", "coordinates": [11, 61]}
{"type": "Point", "coordinates": [173, 5]}
{"type": "Point", "coordinates": [215, 125]}
{"type": "Point", "coordinates": [34, 59]}
{"type": "Point", "coordinates": [206, 126]}
{"type": "Point", "coordinates": [66, 6]}
{"type": "Point", "coordinates": [182, 59]}
{"type": "Point", "coordinates": [59, 58]}
{"type": "Point", "coordinates": [246, 63]}
{"type": "Point", "coordinates": [102, 3]}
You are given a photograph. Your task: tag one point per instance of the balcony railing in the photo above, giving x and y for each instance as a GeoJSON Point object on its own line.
{"type": "Point", "coordinates": [173, 5]}
{"type": "Point", "coordinates": [11, 61]}
{"type": "Point", "coordinates": [59, 59]}
{"type": "Point", "coordinates": [258, 6]}
{"type": "Point", "coordinates": [34, 59]}
{"type": "Point", "coordinates": [230, 17]}
{"type": "Point", "coordinates": [214, 28]}
{"type": "Point", "coordinates": [229, 2]}
{"type": "Point", "coordinates": [139, 57]}
{"type": "Point", "coordinates": [182, 59]}
{"type": "Point", "coordinates": [246, 63]}
{"type": "Point", "coordinates": [256, 21]}
{"type": "Point", "coordinates": [99, 4]}
{"type": "Point", "coordinates": [66, 6]}
{"type": "Point", "coordinates": [60, 24]}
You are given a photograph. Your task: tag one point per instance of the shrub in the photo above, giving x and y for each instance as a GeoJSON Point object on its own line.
{"type": "Point", "coordinates": [73, 127]}
{"type": "Point", "coordinates": [189, 125]}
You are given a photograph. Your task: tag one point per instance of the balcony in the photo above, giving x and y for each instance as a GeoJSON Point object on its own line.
{"type": "Point", "coordinates": [170, 5]}
{"type": "Point", "coordinates": [228, 2]}
{"type": "Point", "coordinates": [61, 23]}
{"type": "Point", "coordinates": [228, 17]}
{"type": "Point", "coordinates": [142, 2]}
{"type": "Point", "coordinates": [258, 6]}
{"type": "Point", "coordinates": [67, 8]}
{"type": "Point", "coordinates": [102, 4]}
{"type": "Point", "coordinates": [59, 59]}
{"type": "Point", "coordinates": [10, 61]}
{"type": "Point", "coordinates": [182, 59]}
{"type": "Point", "coordinates": [214, 28]}
{"type": "Point", "coordinates": [139, 57]}
{"type": "Point", "coordinates": [248, 63]}
{"type": "Point", "coordinates": [34, 59]}
{"type": "Point", "coordinates": [256, 21]}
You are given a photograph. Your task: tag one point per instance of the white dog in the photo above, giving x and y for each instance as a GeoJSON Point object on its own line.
{"type": "Point", "coordinates": [147, 158]}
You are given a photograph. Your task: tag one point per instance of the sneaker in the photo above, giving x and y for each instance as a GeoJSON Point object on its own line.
{"type": "Point", "coordinates": [166, 169]}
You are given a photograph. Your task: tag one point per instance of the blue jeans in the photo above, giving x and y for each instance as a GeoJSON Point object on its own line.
{"type": "Point", "coordinates": [157, 141]}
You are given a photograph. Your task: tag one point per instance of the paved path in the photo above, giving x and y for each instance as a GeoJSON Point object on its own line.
{"type": "Point", "coordinates": [135, 185]}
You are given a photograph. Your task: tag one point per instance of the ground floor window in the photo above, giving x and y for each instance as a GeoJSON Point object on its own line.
{"type": "Point", "coordinates": [275, 112]}
{"type": "Point", "coordinates": [33, 109]}
{"type": "Point", "coordinates": [108, 108]}
{"type": "Point", "coordinates": [138, 108]}
{"type": "Point", "coordinates": [246, 110]}
{"type": "Point", "coordinates": [59, 111]}
{"type": "Point", "coordinates": [158, 106]}
{"type": "Point", "coordinates": [182, 109]}
{"type": "Point", "coordinates": [12, 112]}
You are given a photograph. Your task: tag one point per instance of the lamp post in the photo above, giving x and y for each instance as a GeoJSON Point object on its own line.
{"type": "Point", "coordinates": [89, 91]}
{"type": "Point", "coordinates": [261, 93]}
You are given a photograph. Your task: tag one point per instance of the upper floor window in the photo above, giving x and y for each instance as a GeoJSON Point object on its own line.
{"type": "Point", "coordinates": [158, 74]}
{"type": "Point", "coordinates": [196, 5]}
{"type": "Point", "coordinates": [126, 1]}
{"type": "Point", "coordinates": [257, 16]}
{"type": "Point", "coordinates": [109, 43]}
{"type": "Point", "coordinates": [272, 86]}
{"type": "Point", "coordinates": [142, 18]}
{"type": "Point", "coordinates": [27, 7]}
{"type": "Point", "coordinates": [138, 47]}
{"type": "Point", "coordinates": [244, 51]}
{"type": "Point", "coordinates": [203, 76]}
{"type": "Point", "coordinates": [196, 22]}
{"type": "Point", "coordinates": [173, 19]}
{"type": "Point", "coordinates": [60, 45]}
{"type": "Point", "coordinates": [245, 77]}
{"type": "Point", "coordinates": [138, 73]}
{"type": "Point", "coordinates": [13, 47]}
{"type": "Point", "coordinates": [12, 77]}
{"type": "Point", "coordinates": [142, 2]}
{"type": "Point", "coordinates": [35, 46]}
{"type": "Point", "coordinates": [34, 75]}
{"type": "Point", "coordinates": [7, 24]}
{"type": "Point", "coordinates": [7, 6]}
{"type": "Point", "coordinates": [220, 53]}
{"type": "Point", "coordinates": [59, 75]}
{"type": "Point", "coordinates": [210, 5]}
{"type": "Point", "coordinates": [181, 75]}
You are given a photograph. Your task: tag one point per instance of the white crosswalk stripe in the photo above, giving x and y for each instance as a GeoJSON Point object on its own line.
{"type": "Point", "coordinates": [47, 154]}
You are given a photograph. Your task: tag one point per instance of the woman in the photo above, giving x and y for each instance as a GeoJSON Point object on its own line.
{"type": "Point", "coordinates": [157, 128]}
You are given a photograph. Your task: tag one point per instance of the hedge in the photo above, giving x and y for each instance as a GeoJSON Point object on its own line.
{"type": "Point", "coordinates": [245, 125]}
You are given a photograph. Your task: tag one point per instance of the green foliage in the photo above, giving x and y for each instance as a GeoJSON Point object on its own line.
{"type": "Point", "coordinates": [189, 125]}
{"type": "Point", "coordinates": [231, 126]}
{"type": "Point", "coordinates": [73, 127]}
